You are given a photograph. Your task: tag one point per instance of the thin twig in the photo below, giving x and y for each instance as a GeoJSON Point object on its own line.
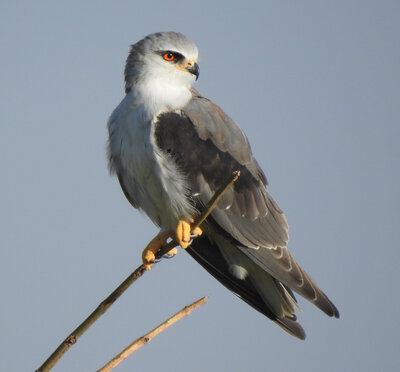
{"type": "Point", "coordinates": [138, 343]}
{"type": "Point", "coordinates": [100, 310]}
{"type": "Point", "coordinates": [104, 305]}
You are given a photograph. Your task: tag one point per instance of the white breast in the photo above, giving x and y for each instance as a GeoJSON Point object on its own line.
{"type": "Point", "coordinates": [151, 180]}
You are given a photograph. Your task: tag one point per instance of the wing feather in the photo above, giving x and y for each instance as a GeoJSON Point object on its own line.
{"type": "Point", "coordinates": [207, 146]}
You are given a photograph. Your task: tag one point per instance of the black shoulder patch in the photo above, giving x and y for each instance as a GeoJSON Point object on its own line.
{"type": "Point", "coordinates": [177, 136]}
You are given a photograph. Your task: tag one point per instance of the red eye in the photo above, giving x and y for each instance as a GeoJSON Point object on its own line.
{"type": "Point", "coordinates": [168, 56]}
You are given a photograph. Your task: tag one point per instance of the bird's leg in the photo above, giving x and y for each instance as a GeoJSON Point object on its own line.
{"type": "Point", "coordinates": [183, 236]}
{"type": "Point", "coordinates": [184, 233]}
{"type": "Point", "coordinates": [149, 253]}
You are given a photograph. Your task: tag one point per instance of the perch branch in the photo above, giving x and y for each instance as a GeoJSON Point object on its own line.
{"type": "Point", "coordinates": [105, 304]}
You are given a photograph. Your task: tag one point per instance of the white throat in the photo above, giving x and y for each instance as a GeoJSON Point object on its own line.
{"type": "Point", "coordinates": [159, 94]}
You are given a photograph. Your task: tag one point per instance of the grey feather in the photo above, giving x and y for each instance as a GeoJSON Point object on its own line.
{"type": "Point", "coordinates": [172, 149]}
{"type": "Point", "coordinates": [254, 220]}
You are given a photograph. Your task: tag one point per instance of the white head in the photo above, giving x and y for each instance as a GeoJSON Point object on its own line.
{"type": "Point", "coordinates": [161, 69]}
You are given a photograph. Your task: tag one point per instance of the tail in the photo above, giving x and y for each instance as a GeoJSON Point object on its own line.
{"type": "Point", "coordinates": [248, 281]}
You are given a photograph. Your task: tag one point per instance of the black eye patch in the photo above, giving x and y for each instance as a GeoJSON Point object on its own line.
{"type": "Point", "coordinates": [171, 56]}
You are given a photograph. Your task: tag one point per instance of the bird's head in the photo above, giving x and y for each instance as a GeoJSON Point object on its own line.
{"type": "Point", "coordinates": [164, 58]}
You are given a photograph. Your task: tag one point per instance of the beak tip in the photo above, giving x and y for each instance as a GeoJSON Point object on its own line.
{"type": "Point", "coordinates": [195, 70]}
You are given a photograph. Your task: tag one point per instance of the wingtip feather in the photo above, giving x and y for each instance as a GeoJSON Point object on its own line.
{"type": "Point", "coordinates": [291, 327]}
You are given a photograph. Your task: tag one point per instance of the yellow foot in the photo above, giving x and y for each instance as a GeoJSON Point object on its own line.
{"type": "Point", "coordinates": [149, 253]}
{"type": "Point", "coordinates": [171, 253]}
{"type": "Point", "coordinates": [196, 232]}
{"type": "Point", "coordinates": [184, 233]}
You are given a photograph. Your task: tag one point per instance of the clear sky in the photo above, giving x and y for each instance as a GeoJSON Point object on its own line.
{"type": "Point", "coordinates": [314, 84]}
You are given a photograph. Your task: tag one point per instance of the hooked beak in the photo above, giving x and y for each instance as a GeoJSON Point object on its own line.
{"type": "Point", "coordinates": [194, 69]}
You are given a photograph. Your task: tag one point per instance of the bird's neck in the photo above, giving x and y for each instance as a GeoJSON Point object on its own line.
{"type": "Point", "coordinates": [157, 95]}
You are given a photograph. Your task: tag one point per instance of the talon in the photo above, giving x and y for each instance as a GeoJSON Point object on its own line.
{"type": "Point", "coordinates": [171, 253]}
{"type": "Point", "coordinates": [149, 253]}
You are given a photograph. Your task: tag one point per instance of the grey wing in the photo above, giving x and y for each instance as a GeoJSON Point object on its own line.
{"type": "Point", "coordinates": [207, 146]}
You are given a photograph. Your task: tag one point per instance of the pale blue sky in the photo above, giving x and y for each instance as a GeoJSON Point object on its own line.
{"type": "Point", "coordinates": [316, 87]}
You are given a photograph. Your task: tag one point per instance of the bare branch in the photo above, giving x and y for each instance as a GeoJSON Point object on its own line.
{"type": "Point", "coordinates": [138, 343]}
{"type": "Point", "coordinates": [104, 305]}
{"type": "Point", "coordinates": [100, 310]}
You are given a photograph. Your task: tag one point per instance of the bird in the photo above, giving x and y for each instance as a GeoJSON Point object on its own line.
{"type": "Point", "coordinates": [171, 150]}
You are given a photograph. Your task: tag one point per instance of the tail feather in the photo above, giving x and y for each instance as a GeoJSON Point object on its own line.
{"type": "Point", "coordinates": [291, 327]}
{"type": "Point", "coordinates": [279, 307]}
